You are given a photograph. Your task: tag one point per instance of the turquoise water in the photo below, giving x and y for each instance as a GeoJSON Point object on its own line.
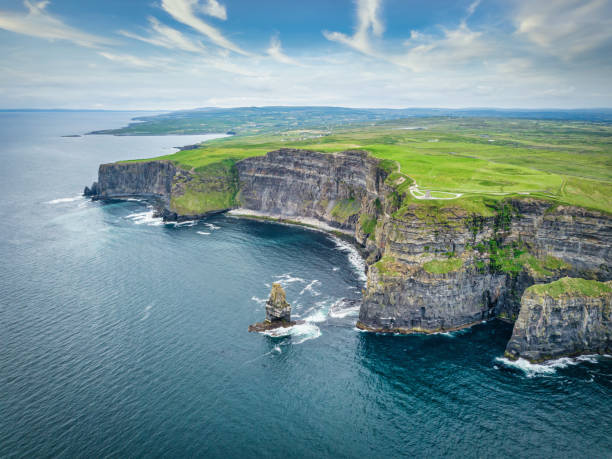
{"type": "Point", "coordinates": [121, 336]}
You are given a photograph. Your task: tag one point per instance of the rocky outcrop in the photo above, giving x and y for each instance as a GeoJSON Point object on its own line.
{"type": "Point", "coordinates": [565, 318]}
{"type": "Point", "coordinates": [144, 179]}
{"type": "Point", "coordinates": [330, 188]}
{"type": "Point", "coordinates": [278, 312]}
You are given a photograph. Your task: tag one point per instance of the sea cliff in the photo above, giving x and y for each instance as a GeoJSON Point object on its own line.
{"type": "Point", "coordinates": [566, 317]}
{"type": "Point", "coordinates": [431, 265]}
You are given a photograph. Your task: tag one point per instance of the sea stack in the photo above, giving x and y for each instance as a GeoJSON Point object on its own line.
{"type": "Point", "coordinates": [278, 311]}
{"type": "Point", "coordinates": [567, 317]}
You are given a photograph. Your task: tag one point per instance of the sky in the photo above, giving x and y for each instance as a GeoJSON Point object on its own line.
{"type": "Point", "coordinates": [181, 54]}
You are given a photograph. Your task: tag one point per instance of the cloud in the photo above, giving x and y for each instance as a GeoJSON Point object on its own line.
{"type": "Point", "coordinates": [37, 22]}
{"type": "Point", "coordinates": [455, 48]}
{"type": "Point", "coordinates": [566, 28]}
{"type": "Point", "coordinates": [276, 52]}
{"type": "Point", "coordinates": [184, 11]}
{"type": "Point", "coordinates": [215, 9]}
{"type": "Point", "coordinates": [166, 37]}
{"type": "Point", "coordinates": [133, 61]}
{"type": "Point", "coordinates": [368, 20]}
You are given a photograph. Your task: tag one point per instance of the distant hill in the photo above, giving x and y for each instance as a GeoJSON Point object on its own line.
{"type": "Point", "coordinates": [253, 120]}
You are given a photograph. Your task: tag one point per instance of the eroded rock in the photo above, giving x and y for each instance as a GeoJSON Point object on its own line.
{"type": "Point", "coordinates": [567, 317]}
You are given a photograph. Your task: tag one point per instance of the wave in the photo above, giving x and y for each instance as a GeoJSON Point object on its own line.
{"type": "Point", "coordinates": [212, 227]}
{"type": "Point", "coordinates": [287, 278]}
{"type": "Point", "coordinates": [186, 223]}
{"type": "Point", "coordinates": [63, 200]}
{"type": "Point", "coordinates": [147, 312]}
{"type": "Point", "coordinates": [354, 257]}
{"type": "Point", "coordinates": [309, 288]}
{"type": "Point", "coordinates": [145, 218]}
{"type": "Point", "coordinates": [340, 310]}
{"type": "Point", "coordinates": [299, 333]}
{"type": "Point", "coordinates": [204, 233]}
{"type": "Point", "coordinates": [259, 300]}
{"type": "Point", "coordinates": [547, 368]}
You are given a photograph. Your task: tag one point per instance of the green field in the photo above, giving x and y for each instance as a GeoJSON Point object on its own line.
{"type": "Point", "coordinates": [483, 159]}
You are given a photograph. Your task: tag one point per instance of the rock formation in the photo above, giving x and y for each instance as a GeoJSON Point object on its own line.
{"type": "Point", "coordinates": [278, 311]}
{"type": "Point", "coordinates": [564, 318]}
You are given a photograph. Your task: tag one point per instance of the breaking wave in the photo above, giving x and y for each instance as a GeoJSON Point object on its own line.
{"type": "Point", "coordinates": [63, 200]}
{"type": "Point", "coordinates": [354, 257]}
{"type": "Point", "coordinates": [547, 368]}
{"type": "Point", "coordinates": [145, 218]}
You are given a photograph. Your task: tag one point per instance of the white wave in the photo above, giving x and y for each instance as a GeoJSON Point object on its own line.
{"type": "Point", "coordinates": [354, 257]}
{"type": "Point", "coordinates": [335, 268]}
{"type": "Point", "coordinates": [62, 200]}
{"type": "Point", "coordinates": [277, 350]}
{"type": "Point", "coordinates": [145, 218]}
{"type": "Point", "coordinates": [187, 223]}
{"type": "Point", "coordinates": [204, 233]}
{"type": "Point", "coordinates": [259, 300]}
{"type": "Point", "coordinates": [338, 312]}
{"type": "Point", "coordinates": [546, 368]}
{"type": "Point", "coordinates": [147, 312]}
{"type": "Point", "coordinates": [212, 227]}
{"type": "Point", "coordinates": [309, 288]}
{"type": "Point", "coordinates": [287, 278]}
{"type": "Point", "coordinates": [299, 333]}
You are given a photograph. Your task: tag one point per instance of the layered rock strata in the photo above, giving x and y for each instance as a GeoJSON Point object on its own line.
{"type": "Point", "coordinates": [567, 322]}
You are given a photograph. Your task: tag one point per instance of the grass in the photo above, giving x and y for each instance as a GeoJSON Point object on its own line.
{"type": "Point", "coordinates": [346, 208]}
{"type": "Point", "coordinates": [388, 266]}
{"type": "Point", "coordinates": [572, 286]}
{"type": "Point", "coordinates": [566, 162]}
{"type": "Point", "coordinates": [545, 267]}
{"type": "Point", "coordinates": [443, 266]}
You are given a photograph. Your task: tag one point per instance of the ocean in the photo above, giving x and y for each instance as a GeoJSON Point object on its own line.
{"type": "Point", "coordinates": [122, 336]}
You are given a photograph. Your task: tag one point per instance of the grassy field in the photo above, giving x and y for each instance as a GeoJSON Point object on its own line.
{"type": "Point", "coordinates": [485, 160]}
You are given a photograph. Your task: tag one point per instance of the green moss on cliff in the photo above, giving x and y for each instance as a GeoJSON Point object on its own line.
{"type": "Point", "coordinates": [545, 267]}
{"type": "Point", "coordinates": [346, 208]}
{"type": "Point", "coordinates": [389, 266]}
{"type": "Point", "coordinates": [443, 266]}
{"type": "Point", "coordinates": [368, 223]}
{"type": "Point", "coordinates": [571, 286]}
{"type": "Point", "coordinates": [205, 189]}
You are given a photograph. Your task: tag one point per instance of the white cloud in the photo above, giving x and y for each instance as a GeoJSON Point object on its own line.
{"type": "Point", "coordinates": [166, 37]}
{"type": "Point", "coordinates": [368, 20]}
{"type": "Point", "coordinates": [133, 61]}
{"type": "Point", "coordinates": [185, 11]}
{"type": "Point", "coordinates": [215, 9]}
{"type": "Point", "coordinates": [37, 22]}
{"type": "Point", "coordinates": [566, 28]}
{"type": "Point", "coordinates": [276, 52]}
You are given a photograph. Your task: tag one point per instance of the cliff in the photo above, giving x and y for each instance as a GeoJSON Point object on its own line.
{"type": "Point", "coordinates": [178, 193]}
{"type": "Point", "coordinates": [444, 268]}
{"type": "Point", "coordinates": [335, 189]}
{"type": "Point", "coordinates": [432, 265]}
{"type": "Point", "coordinates": [564, 318]}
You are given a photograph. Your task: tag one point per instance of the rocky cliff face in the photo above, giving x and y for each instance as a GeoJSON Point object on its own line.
{"type": "Point", "coordinates": [430, 267]}
{"type": "Point", "coordinates": [331, 188]}
{"type": "Point", "coordinates": [443, 269]}
{"type": "Point", "coordinates": [147, 179]}
{"type": "Point", "coordinates": [555, 324]}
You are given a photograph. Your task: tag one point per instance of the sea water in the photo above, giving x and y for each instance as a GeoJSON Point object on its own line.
{"type": "Point", "coordinates": [123, 336]}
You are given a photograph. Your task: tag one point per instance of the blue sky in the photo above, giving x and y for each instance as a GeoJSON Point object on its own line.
{"type": "Point", "coordinates": [176, 54]}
